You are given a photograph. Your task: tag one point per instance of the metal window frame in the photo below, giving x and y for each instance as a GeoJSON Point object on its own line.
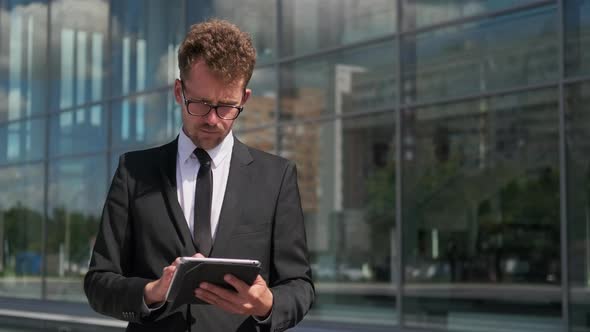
{"type": "Point", "coordinates": [277, 64]}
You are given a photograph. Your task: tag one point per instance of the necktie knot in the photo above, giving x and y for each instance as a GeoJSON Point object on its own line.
{"type": "Point", "coordinates": [203, 157]}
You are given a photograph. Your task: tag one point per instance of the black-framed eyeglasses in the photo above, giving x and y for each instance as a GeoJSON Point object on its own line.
{"type": "Point", "coordinates": [202, 108]}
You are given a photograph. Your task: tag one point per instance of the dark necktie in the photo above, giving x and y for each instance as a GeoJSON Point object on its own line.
{"type": "Point", "coordinates": [203, 195]}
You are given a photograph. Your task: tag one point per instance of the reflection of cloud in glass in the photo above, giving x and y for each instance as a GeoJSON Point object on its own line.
{"type": "Point", "coordinates": [168, 70]}
{"type": "Point", "coordinates": [31, 18]}
{"type": "Point", "coordinates": [14, 96]}
{"type": "Point", "coordinates": [262, 83]}
{"type": "Point", "coordinates": [21, 185]}
{"type": "Point", "coordinates": [88, 15]}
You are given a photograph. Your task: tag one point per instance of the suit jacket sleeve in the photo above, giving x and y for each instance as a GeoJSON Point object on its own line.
{"type": "Point", "coordinates": [108, 288]}
{"type": "Point", "coordinates": [290, 281]}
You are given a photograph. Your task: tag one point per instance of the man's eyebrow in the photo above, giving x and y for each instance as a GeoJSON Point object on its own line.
{"type": "Point", "coordinates": [229, 102]}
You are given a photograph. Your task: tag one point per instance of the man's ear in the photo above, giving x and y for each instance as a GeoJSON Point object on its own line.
{"type": "Point", "coordinates": [178, 92]}
{"type": "Point", "coordinates": [246, 96]}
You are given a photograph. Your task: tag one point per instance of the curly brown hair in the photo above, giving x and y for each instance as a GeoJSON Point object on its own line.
{"type": "Point", "coordinates": [226, 50]}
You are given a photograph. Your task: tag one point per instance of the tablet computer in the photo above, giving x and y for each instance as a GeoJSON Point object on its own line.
{"type": "Point", "coordinates": [192, 271]}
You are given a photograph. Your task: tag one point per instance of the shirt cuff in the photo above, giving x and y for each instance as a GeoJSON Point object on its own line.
{"type": "Point", "coordinates": [145, 310]}
{"type": "Point", "coordinates": [263, 321]}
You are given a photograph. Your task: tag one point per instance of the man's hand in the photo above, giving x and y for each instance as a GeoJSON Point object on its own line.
{"type": "Point", "coordinates": [155, 291]}
{"type": "Point", "coordinates": [255, 300]}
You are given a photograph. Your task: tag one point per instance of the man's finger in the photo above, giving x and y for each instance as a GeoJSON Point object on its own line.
{"type": "Point", "coordinates": [176, 262]}
{"type": "Point", "coordinates": [228, 295]}
{"type": "Point", "coordinates": [236, 283]}
{"type": "Point", "coordinates": [221, 302]}
{"type": "Point", "coordinates": [169, 271]}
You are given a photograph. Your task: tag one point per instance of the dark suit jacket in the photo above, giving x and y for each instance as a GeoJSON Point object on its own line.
{"type": "Point", "coordinates": [143, 230]}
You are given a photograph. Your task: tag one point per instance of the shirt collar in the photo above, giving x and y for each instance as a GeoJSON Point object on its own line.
{"type": "Point", "coordinates": [186, 147]}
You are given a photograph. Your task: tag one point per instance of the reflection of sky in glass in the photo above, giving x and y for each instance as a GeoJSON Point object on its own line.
{"type": "Point", "coordinates": [431, 12]}
{"type": "Point", "coordinates": [67, 71]}
{"type": "Point", "coordinates": [78, 131]}
{"type": "Point", "coordinates": [323, 24]}
{"type": "Point", "coordinates": [81, 76]}
{"type": "Point", "coordinates": [150, 119]}
{"type": "Point", "coordinates": [262, 82]}
{"type": "Point", "coordinates": [21, 141]}
{"type": "Point", "coordinates": [78, 184]}
{"type": "Point", "coordinates": [20, 185]}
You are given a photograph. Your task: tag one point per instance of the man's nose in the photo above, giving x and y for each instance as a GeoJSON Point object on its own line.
{"type": "Point", "coordinates": [212, 117]}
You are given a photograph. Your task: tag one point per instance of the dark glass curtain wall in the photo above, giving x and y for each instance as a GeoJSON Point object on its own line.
{"type": "Point", "coordinates": [442, 146]}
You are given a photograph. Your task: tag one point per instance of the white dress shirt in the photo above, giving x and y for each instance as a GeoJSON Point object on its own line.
{"type": "Point", "coordinates": [187, 168]}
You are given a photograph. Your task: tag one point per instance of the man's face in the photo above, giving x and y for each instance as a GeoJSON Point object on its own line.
{"type": "Point", "coordinates": [203, 85]}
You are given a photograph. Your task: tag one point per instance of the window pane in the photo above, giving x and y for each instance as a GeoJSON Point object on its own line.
{"type": "Point", "coordinates": [346, 173]}
{"type": "Point", "coordinates": [145, 120]}
{"type": "Point", "coordinates": [577, 37]}
{"type": "Point", "coordinates": [311, 25]}
{"type": "Point", "coordinates": [78, 131]}
{"type": "Point", "coordinates": [257, 17]}
{"type": "Point", "coordinates": [494, 54]}
{"type": "Point", "coordinates": [77, 191]}
{"type": "Point", "coordinates": [262, 139]}
{"type": "Point", "coordinates": [21, 222]}
{"type": "Point", "coordinates": [22, 141]}
{"type": "Point", "coordinates": [145, 38]}
{"type": "Point", "coordinates": [23, 65]}
{"type": "Point", "coordinates": [260, 108]}
{"type": "Point", "coordinates": [481, 214]}
{"type": "Point", "coordinates": [79, 36]}
{"type": "Point", "coordinates": [420, 13]}
{"type": "Point", "coordinates": [578, 184]}
{"type": "Point", "coordinates": [352, 81]}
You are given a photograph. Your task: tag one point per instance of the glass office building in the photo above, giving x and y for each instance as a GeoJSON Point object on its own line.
{"type": "Point", "coordinates": [443, 146]}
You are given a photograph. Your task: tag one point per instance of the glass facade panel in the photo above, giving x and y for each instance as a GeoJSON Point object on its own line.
{"type": "Point", "coordinates": [360, 80]}
{"type": "Point", "coordinates": [79, 131]}
{"type": "Point", "coordinates": [79, 39]}
{"type": "Point", "coordinates": [421, 13]}
{"type": "Point", "coordinates": [21, 224]}
{"type": "Point", "coordinates": [77, 190]}
{"type": "Point", "coordinates": [480, 197]}
{"type": "Point", "coordinates": [23, 64]}
{"type": "Point", "coordinates": [145, 38]}
{"type": "Point", "coordinates": [494, 54]}
{"type": "Point", "coordinates": [262, 139]}
{"type": "Point", "coordinates": [481, 214]}
{"type": "Point", "coordinates": [346, 178]}
{"type": "Point", "coordinates": [257, 17]}
{"type": "Point", "coordinates": [260, 109]}
{"type": "Point", "coordinates": [577, 37]}
{"type": "Point", "coordinates": [145, 120]}
{"type": "Point", "coordinates": [578, 207]}
{"type": "Point", "coordinates": [22, 141]}
{"type": "Point", "coordinates": [311, 25]}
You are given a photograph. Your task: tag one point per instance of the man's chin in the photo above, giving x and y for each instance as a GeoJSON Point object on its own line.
{"type": "Point", "coordinates": [208, 142]}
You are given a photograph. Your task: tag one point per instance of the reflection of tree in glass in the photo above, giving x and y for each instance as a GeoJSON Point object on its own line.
{"type": "Point", "coordinates": [23, 234]}
{"type": "Point", "coordinates": [528, 231]}
{"type": "Point", "coordinates": [381, 218]}
{"type": "Point", "coordinates": [22, 240]}
{"type": "Point", "coordinates": [22, 227]}
{"type": "Point", "coordinates": [82, 229]}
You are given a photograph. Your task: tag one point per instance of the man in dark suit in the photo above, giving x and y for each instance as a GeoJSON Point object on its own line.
{"type": "Point", "coordinates": [154, 212]}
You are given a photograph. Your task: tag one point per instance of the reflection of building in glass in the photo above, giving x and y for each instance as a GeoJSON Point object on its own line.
{"type": "Point", "coordinates": [494, 157]}
{"type": "Point", "coordinates": [301, 143]}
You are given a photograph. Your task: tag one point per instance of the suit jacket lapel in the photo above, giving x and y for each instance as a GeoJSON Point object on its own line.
{"type": "Point", "coordinates": [231, 208]}
{"type": "Point", "coordinates": [168, 173]}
